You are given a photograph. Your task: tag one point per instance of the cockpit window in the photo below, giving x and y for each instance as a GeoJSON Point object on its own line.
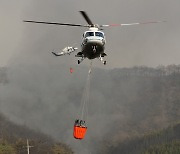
{"type": "Point", "coordinates": [99, 34]}
{"type": "Point", "coordinates": [89, 34]}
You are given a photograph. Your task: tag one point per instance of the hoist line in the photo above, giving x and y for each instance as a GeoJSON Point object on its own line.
{"type": "Point", "coordinates": [82, 102]}
{"type": "Point", "coordinates": [85, 97]}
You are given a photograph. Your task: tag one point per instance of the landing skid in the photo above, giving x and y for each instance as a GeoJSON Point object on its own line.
{"type": "Point", "coordinates": [103, 61]}
{"type": "Point", "coordinates": [79, 61]}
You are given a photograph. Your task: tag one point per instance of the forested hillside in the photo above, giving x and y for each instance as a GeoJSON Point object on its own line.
{"type": "Point", "coordinates": [166, 141]}
{"type": "Point", "coordinates": [13, 140]}
{"type": "Point", "coordinates": [142, 100]}
{"type": "Point", "coordinates": [13, 137]}
{"type": "Point", "coordinates": [125, 104]}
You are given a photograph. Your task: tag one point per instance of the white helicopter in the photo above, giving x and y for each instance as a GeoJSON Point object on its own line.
{"type": "Point", "coordinates": [93, 43]}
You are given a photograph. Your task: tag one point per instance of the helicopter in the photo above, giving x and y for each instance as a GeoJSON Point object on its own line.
{"type": "Point", "coordinates": [93, 41]}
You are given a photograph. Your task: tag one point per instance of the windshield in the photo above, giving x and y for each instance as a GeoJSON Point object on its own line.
{"type": "Point", "coordinates": [99, 34]}
{"type": "Point", "coordinates": [89, 34]}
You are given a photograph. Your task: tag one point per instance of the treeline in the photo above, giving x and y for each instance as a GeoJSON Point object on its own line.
{"type": "Point", "coordinates": [149, 71]}
{"type": "Point", "coordinates": [167, 148]}
{"type": "Point", "coordinates": [132, 71]}
{"type": "Point", "coordinates": [166, 141]}
{"type": "Point", "coordinates": [13, 140]}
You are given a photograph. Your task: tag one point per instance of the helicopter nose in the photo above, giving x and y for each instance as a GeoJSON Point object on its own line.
{"type": "Point", "coordinates": [95, 41]}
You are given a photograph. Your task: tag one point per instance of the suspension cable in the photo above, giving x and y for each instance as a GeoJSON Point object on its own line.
{"type": "Point", "coordinates": [85, 97]}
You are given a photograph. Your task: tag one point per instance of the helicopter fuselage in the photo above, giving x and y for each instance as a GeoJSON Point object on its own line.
{"type": "Point", "coordinates": [93, 44]}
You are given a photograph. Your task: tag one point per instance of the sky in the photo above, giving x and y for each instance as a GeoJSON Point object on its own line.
{"type": "Point", "coordinates": [42, 93]}
{"type": "Point", "coordinates": [151, 45]}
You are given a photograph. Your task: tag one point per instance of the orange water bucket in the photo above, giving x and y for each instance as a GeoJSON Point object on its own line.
{"type": "Point", "coordinates": [79, 132]}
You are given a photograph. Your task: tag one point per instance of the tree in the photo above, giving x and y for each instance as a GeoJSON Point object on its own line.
{"type": "Point", "coordinates": [7, 149]}
{"type": "Point", "coordinates": [61, 149]}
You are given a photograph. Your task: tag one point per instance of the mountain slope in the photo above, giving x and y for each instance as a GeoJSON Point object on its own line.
{"type": "Point", "coordinates": [124, 102]}
{"type": "Point", "coordinates": [164, 141]}
{"type": "Point", "coordinates": [13, 140]}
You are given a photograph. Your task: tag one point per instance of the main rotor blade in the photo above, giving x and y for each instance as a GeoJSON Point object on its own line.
{"type": "Point", "coordinates": [56, 23]}
{"type": "Point", "coordinates": [131, 24]}
{"type": "Point", "coordinates": [86, 18]}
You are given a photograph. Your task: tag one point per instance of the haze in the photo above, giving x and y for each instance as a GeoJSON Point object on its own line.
{"type": "Point", "coordinates": [150, 45]}
{"type": "Point", "coordinates": [41, 92]}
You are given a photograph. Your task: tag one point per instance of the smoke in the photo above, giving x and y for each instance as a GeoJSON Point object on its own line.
{"type": "Point", "coordinates": [43, 94]}
{"type": "Point", "coordinates": [150, 45]}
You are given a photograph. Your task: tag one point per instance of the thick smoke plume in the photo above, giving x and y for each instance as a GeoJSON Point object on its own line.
{"type": "Point", "coordinates": [41, 92]}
